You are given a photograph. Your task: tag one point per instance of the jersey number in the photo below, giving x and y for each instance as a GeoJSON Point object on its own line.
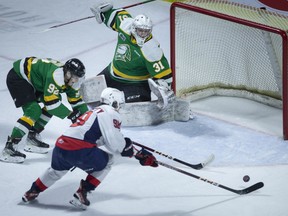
{"type": "Point", "coordinates": [83, 118]}
{"type": "Point", "coordinates": [52, 89]}
{"type": "Point", "coordinates": [158, 66]}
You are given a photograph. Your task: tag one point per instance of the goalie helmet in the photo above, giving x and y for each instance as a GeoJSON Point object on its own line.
{"type": "Point", "coordinates": [113, 97]}
{"type": "Point", "coordinates": [75, 66]}
{"type": "Point", "coordinates": [141, 28]}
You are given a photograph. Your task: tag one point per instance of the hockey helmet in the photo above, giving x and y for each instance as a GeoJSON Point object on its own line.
{"type": "Point", "coordinates": [75, 66]}
{"type": "Point", "coordinates": [141, 28]}
{"type": "Point", "coordinates": [113, 97]}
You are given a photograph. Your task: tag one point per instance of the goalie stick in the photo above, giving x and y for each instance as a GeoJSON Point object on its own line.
{"type": "Point", "coordinates": [247, 190]}
{"type": "Point", "coordinates": [89, 17]}
{"type": "Point", "coordinates": [194, 166]}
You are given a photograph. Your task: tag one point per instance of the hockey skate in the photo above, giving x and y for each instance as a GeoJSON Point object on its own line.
{"type": "Point", "coordinates": [10, 153]}
{"type": "Point", "coordinates": [34, 143]}
{"type": "Point", "coordinates": [80, 197]}
{"type": "Point", "coordinates": [30, 195]}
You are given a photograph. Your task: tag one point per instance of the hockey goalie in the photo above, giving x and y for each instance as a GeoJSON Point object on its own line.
{"type": "Point", "coordinates": [139, 67]}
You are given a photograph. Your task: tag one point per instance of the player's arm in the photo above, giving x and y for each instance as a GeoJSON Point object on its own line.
{"type": "Point", "coordinates": [160, 72]}
{"type": "Point", "coordinates": [76, 100]}
{"type": "Point", "coordinates": [112, 18]}
{"type": "Point", "coordinates": [53, 103]}
{"type": "Point", "coordinates": [53, 87]}
{"type": "Point", "coordinates": [114, 140]}
{"type": "Point", "coordinates": [109, 124]}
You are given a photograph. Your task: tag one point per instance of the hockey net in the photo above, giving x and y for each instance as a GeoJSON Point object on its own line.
{"type": "Point", "coordinates": [224, 48]}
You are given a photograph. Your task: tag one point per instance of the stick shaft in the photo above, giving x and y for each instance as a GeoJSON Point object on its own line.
{"type": "Point", "coordinates": [89, 17]}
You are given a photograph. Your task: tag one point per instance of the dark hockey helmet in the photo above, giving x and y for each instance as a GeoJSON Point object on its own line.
{"type": "Point", "coordinates": [75, 66]}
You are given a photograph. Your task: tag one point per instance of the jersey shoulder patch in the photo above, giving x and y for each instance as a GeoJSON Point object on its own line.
{"type": "Point", "coordinates": [151, 50]}
{"type": "Point", "coordinates": [125, 25]}
{"type": "Point", "coordinates": [58, 77]}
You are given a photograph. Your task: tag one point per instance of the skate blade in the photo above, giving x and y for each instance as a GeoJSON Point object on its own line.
{"type": "Point", "coordinates": [34, 149]}
{"type": "Point", "coordinates": [10, 159]}
{"type": "Point", "coordinates": [78, 204]}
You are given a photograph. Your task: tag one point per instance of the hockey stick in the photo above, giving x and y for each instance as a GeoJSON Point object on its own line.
{"type": "Point", "coordinates": [89, 17]}
{"type": "Point", "coordinates": [247, 190]}
{"type": "Point", "coordinates": [194, 166]}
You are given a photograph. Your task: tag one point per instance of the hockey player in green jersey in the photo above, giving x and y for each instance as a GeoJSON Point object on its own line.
{"type": "Point", "coordinates": [33, 82]}
{"type": "Point", "coordinates": [139, 65]}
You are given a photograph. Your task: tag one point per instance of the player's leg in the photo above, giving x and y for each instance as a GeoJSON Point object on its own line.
{"type": "Point", "coordinates": [34, 141]}
{"type": "Point", "coordinates": [23, 95]}
{"type": "Point", "coordinates": [59, 167]}
{"type": "Point", "coordinates": [49, 177]}
{"type": "Point", "coordinates": [98, 166]}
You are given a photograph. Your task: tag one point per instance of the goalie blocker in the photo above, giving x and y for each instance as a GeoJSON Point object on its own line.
{"type": "Point", "coordinates": [166, 109]}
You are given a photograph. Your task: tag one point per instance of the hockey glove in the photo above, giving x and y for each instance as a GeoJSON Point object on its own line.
{"type": "Point", "coordinates": [99, 9]}
{"type": "Point", "coordinates": [74, 115]}
{"type": "Point", "coordinates": [163, 92]}
{"type": "Point", "coordinates": [146, 158]}
{"type": "Point", "coordinates": [128, 150]}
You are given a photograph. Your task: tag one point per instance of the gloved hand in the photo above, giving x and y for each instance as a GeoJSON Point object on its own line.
{"type": "Point", "coordinates": [74, 115]}
{"type": "Point", "coordinates": [163, 92]}
{"type": "Point", "coordinates": [128, 149]}
{"type": "Point", "coordinates": [99, 9]}
{"type": "Point", "coordinates": [146, 158]}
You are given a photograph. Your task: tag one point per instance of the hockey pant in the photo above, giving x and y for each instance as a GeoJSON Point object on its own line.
{"type": "Point", "coordinates": [63, 161]}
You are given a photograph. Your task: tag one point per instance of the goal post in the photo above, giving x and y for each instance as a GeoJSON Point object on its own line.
{"type": "Point", "coordinates": [224, 48]}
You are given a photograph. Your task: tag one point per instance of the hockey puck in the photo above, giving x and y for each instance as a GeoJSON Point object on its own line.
{"type": "Point", "coordinates": [246, 178]}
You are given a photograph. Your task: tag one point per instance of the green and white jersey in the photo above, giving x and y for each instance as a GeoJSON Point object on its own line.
{"type": "Point", "coordinates": [47, 78]}
{"type": "Point", "coordinates": [132, 63]}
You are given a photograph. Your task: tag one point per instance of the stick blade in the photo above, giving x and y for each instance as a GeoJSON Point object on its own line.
{"type": "Point", "coordinates": [251, 188]}
{"type": "Point", "coordinates": [209, 160]}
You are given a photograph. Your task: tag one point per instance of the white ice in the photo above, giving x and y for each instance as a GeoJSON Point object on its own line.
{"type": "Point", "coordinates": [245, 137]}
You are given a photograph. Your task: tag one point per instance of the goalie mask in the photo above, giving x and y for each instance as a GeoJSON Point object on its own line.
{"type": "Point", "coordinates": [73, 69]}
{"type": "Point", "coordinates": [113, 97]}
{"type": "Point", "coordinates": [141, 28]}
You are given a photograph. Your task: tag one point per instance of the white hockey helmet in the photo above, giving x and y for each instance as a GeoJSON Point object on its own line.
{"type": "Point", "coordinates": [113, 97]}
{"type": "Point", "coordinates": [141, 28]}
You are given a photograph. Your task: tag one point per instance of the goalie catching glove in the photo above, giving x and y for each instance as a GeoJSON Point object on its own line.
{"type": "Point", "coordinates": [99, 9]}
{"type": "Point", "coordinates": [162, 90]}
{"type": "Point", "coordinates": [146, 158]}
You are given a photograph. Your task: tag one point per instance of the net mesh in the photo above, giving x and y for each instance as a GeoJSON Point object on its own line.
{"type": "Point", "coordinates": [221, 56]}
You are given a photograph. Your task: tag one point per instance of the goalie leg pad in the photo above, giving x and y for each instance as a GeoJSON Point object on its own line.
{"type": "Point", "coordinates": [147, 113]}
{"type": "Point", "coordinates": [182, 110]}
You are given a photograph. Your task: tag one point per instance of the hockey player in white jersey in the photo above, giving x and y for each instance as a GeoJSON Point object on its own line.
{"type": "Point", "coordinates": [78, 147]}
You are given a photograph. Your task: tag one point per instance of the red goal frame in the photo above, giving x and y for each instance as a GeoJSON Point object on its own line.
{"type": "Point", "coordinates": [280, 32]}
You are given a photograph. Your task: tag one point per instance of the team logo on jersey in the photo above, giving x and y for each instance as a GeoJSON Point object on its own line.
{"type": "Point", "coordinates": [123, 53]}
{"type": "Point", "coordinates": [116, 123]}
{"type": "Point", "coordinates": [60, 141]}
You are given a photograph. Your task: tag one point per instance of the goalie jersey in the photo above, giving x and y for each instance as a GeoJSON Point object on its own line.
{"type": "Point", "coordinates": [132, 63]}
